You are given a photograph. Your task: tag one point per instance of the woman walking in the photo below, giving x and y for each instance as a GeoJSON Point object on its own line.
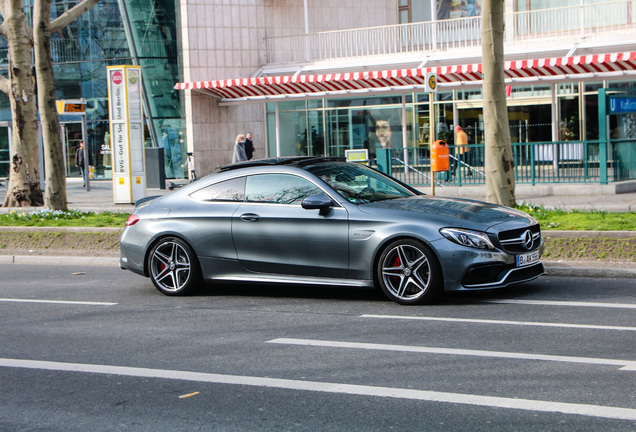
{"type": "Point", "coordinates": [239, 149]}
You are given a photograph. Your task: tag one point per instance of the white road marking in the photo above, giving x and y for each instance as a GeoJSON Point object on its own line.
{"type": "Point", "coordinates": [501, 322]}
{"type": "Point", "coordinates": [336, 388]}
{"type": "Point", "coordinates": [565, 303]}
{"type": "Point", "coordinates": [57, 302]}
{"type": "Point", "coordinates": [625, 364]}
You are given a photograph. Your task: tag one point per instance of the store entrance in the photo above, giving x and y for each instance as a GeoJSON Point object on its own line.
{"type": "Point", "coordinates": [529, 122]}
{"type": "Point", "coordinates": [71, 137]}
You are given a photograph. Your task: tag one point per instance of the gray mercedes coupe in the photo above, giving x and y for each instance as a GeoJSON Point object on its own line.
{"type": "Point", "coordinates": [325, 221]}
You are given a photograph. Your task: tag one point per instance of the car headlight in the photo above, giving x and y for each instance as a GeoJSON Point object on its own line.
{"type": "Point", "coordinates": [468, 238]}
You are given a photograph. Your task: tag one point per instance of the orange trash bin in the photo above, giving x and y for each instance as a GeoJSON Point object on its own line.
{"type": "Point", "coordinates": [439, 156]}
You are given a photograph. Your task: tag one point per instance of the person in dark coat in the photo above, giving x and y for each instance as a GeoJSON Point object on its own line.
{"type": "Point", "coordinates": [79, 161]}
{"type": "Point", "coordinates": [249, 146]}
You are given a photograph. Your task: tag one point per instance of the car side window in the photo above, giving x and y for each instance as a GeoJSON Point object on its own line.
{"type": "Point", "coordinates": [228, 190]}
{"type": "Point", "coordinates": [279, 189]}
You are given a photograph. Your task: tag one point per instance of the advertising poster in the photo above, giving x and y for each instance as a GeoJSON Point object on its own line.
{"type": "Point", "coordinates": [450, 9]}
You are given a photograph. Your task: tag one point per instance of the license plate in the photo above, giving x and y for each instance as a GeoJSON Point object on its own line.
{"type": "Point", "coordinates": [528, 259]}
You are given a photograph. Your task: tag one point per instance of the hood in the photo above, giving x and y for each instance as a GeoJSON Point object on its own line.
{"type": "Point", "coordinates": [457, 212]}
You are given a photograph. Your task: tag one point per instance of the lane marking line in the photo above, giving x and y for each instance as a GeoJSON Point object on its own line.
{"type": "Point", "coordinates": [57, 302]}
{"type": "Point", "coordinates": [627, 365]}
{"type": "Point", "coordinates": [501, 322]}
{"type": "Point", "coordinates": [334, 388]}
{"type": "Point", "coordinates": [565, 303]}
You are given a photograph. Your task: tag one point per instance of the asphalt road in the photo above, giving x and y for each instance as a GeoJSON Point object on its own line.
{"type": "Point", "coordinates": [99, 349]}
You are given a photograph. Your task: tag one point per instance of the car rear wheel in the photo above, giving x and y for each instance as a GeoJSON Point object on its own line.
{"type": "Point", "coordinates": [408, 272]}
{"type": "Point", "coordinates": [174, 268]}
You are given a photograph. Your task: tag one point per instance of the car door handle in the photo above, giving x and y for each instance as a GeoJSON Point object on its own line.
{"type": "Point", "coordinates": [250, 217]}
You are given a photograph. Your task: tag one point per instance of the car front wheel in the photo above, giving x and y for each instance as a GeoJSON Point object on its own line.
{"type": "Point", "coordinates": [408, 273]}
{"type": "Point", "coordinates": [174, 268]}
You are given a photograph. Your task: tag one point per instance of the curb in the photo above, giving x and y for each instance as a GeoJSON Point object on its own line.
{"type": "Point", "coordinates": [107, 230]}
{"type": "Point", "coordinates": [106, 261]}
{"type": "Point", "coordinates": [582, 270]}
{"type": "Point", "coordinates": [587, 234]}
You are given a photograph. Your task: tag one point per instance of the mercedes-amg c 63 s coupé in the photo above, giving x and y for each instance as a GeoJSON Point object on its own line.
{"type": "Point", "coordinates": [325, 221]}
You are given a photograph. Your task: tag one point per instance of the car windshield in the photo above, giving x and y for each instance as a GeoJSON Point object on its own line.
{"type": "Point", "coordinates": [359, 184]}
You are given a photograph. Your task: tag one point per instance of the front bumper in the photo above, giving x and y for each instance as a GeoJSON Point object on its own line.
{"type": "Point", "coordinates": [499, 275]}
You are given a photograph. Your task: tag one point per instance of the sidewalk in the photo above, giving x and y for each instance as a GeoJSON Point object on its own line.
{"type": "Point", "coordinates": [99, 198]}
{"type": "Point", "coordinates": [572, 196]}
{"type": "Point", "coordinates": [616, 197]}
{"type": "Point", "coordinates": [580, 197]}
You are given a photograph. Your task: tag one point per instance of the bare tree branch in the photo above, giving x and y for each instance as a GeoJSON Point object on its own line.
{"type": "Point", "coordinates": [70, 15]}
{"type": "Point", "coordinates": [6, 10]}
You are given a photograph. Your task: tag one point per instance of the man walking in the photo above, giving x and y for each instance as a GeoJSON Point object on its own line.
{"type": "Point", "coordinates": [463, 151]}
{"type": "Point", "coordinates": [80, 162]}
{"type": "Point", "coordinates": [249, 146]}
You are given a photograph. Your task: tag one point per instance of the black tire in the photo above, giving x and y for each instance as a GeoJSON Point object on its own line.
{"type": "Point", "coordinates": [173, 267]}
{"type": "Point", "coordinates": [409, 273]}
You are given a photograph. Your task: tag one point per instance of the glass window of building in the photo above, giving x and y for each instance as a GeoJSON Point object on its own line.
{"type": "Point", "coordinates": [143, 33]}
{"type": "Point", "coordinates": [4, 150]}
{"type": "Point", "coordinates": [404, 11]}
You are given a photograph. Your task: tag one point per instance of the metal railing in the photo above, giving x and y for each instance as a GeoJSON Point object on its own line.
{"type": "Point", "coordinates": [535, 163]}
{"type": "Point", "coordinates": [73, 50]}
{"type": "Point", "coordinates": [615, 20]}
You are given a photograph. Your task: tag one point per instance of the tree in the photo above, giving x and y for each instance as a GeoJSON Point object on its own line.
{"type": "Point", "coordinates": [500, 169]}
{"type": "Point", "coordinates": [24, 181]}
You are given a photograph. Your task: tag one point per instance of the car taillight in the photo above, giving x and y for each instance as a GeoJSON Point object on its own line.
{"type": "Point", "coordinates": [132, 219]}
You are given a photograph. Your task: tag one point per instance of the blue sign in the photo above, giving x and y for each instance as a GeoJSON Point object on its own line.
{"type": "Point", "coordinates": [622, 105]}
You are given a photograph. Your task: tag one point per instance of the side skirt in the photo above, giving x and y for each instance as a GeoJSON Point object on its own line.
{"type": "Point", "coordinates": [299, 280]}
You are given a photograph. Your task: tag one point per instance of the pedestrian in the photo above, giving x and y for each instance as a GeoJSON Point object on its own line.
{"type": "Point", "coordinates": [80, 162]}
{"type": "Point", "coordinates": [462, 148]}
{"type": "Point", "coordinates": [564, 132]}
{"type": "Point", "coordinates": [239, 149]}
{"type": "Point", "coordinates": [249, 146]}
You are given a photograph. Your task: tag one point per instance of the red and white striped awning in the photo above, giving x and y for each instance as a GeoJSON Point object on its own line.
{"type": "Point", "coordinates": [278, 87]}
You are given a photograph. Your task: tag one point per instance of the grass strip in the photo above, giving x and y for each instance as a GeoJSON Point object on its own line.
{"type": "Point", "coordinates": [548, 218]}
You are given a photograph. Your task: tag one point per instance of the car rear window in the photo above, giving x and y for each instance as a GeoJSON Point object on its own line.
{"type": "Point", "coordinates": [228, 190]}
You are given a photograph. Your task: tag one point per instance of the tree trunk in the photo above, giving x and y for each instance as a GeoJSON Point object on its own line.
{"type": "Point", "coordinates": [500, 170]}
{"type": "Point", "coordinates": [55, 190]}
{"type": "Point", "coordinates": [24, 180]}
{"type": "Point", "coordinates": [23, 189]}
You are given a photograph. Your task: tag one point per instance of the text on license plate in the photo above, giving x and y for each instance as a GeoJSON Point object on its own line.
{"type": "Point", "coordinates": [527, 259]}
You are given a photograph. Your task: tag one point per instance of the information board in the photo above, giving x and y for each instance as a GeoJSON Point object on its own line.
{"type": "Point", "coordinates": [125, 110]}
{"type": "Point", "coordinates": [622, 105]}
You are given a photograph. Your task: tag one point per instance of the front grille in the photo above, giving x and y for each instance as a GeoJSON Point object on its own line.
{"type": "Point", "coordinates": [519, 241]}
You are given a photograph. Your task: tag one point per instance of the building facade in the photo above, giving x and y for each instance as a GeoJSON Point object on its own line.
{"type": "Point", "coordinates": [321, 77]}
{"type": "Point", "coordinates": [293, 83]}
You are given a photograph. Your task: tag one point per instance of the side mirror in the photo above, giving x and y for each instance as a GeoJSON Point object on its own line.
{"type": "Point", "coordinates": [321, 202]}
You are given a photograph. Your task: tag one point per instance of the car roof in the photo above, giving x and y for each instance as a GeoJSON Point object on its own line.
{"type": "Point", "coordinates": [298, 161]}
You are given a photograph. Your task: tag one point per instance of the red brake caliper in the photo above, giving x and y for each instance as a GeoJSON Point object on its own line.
{"type": "Point", "coordinates": [396, 263]}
